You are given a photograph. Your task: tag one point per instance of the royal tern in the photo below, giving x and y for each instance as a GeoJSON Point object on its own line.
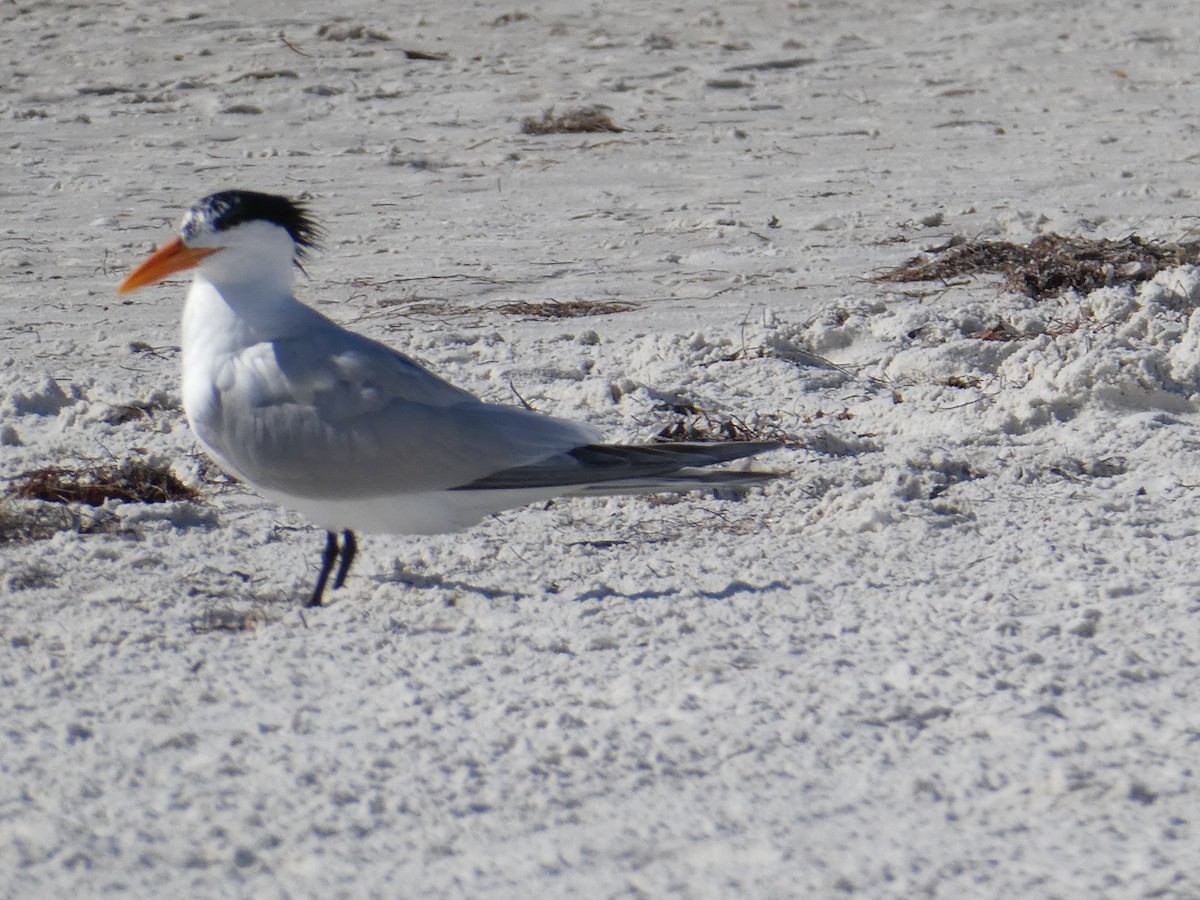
{"type": "Point", "coordinates": [351, 433]}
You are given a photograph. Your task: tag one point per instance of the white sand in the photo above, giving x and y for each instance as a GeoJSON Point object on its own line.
{"type": "Point", "coordinates": [955, 653]}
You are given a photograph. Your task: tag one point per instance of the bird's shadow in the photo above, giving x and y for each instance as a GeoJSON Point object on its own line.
{"type": "Point", "coordinates": [421, 581]}
{"type": "Point", "coordinates": [603, 592]}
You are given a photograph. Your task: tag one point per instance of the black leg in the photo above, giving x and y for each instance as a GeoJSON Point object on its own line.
{"type": "Point", "coordinates": [327, 561]}
{"type": "Point", "coordinates": [349, 548]}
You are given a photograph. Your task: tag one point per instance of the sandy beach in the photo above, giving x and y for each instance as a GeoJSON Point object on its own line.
{"type": "Point", "coordinates": [953, 652]}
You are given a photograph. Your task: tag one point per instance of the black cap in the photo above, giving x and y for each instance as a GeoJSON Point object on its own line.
{"type": "Point", "coordinates": [226, 209]}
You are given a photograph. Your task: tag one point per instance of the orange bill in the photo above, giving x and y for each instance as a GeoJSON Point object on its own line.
{"type": "Point", "coordinates": [171, 257]}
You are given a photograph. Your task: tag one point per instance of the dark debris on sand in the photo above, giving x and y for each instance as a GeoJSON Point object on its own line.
{"type": "Point", "coordinates": [1050, 265]}
{"type": "Point", "coordinates": [581, 120]}
{"type": "Point", "coordinates": [563, 309]}
{"type": "Point", "coordinates": [130, 481]}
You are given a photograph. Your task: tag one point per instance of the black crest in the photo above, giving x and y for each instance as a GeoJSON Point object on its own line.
{"type": "Point", "coordinates": [225, 209]}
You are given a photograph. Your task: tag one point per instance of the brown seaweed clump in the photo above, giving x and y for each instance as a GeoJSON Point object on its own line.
{"type": "Point", "coordinates": [1050, 265]}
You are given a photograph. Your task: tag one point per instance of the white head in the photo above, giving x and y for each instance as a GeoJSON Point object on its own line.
{"type": "Point", "coordinates": [234, 237]}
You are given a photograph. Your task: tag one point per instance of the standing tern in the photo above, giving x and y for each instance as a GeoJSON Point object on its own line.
{"type": "Point", "coordinates": [351, 433]}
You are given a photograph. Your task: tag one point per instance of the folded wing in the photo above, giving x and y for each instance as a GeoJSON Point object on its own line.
{"type": "Point", "coordinates": [611, 468]}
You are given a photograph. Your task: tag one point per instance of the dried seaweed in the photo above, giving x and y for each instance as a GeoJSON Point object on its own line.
{"type": "Point", "coordinates": [565, 309]}
{"type": "Point", "coordinates": [130, 481]}
{"type": "Point", "coordinates": [585, 119]}
{"type": "Point", "coordinates": [1050, 265]}
{"type": "Point", "coordinates": [700, 426]}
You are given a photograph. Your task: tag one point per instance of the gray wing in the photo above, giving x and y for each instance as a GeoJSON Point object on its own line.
{"type": "Point", "coordinates": [639, 467]}
{"type": "Point", "coordinates": [344, 416]}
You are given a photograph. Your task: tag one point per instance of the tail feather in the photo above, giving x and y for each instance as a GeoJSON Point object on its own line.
{"type": "Point", "coordinates": [608, 468]}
